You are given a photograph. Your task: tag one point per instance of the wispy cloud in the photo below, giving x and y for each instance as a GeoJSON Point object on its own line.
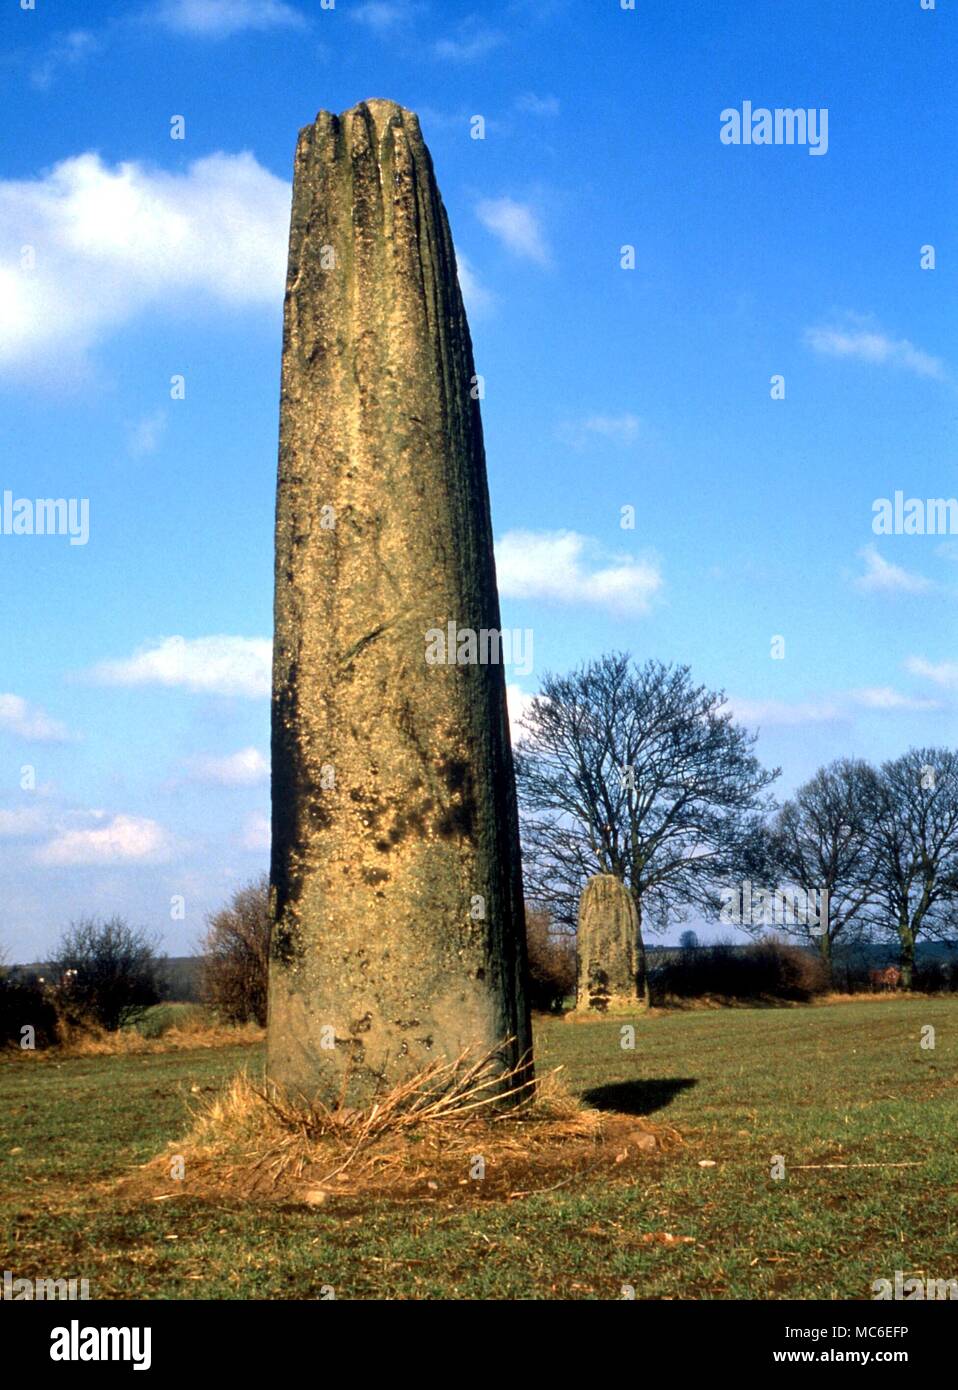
{"type": "Point", "coordinates": [257, 834]}
{"type": "Point", "coordinates": [432, 119]}
{"type": "Point", "coordinates": [518, 703]}
{"type": "Point", "coordinates": [884, 697]}
{"type": "Point", "coordinates": [122, 840]}
{"type": "Point", "coordinates": [859, 339]}
{"type": "Point", "coordinates": [565, 567]}
{"type": "Point", "coordinates": [838, 707]}
{"type": "Point", "coordinates": [516, 226]}
{"type": "Point", "coordinates": [118, 240]}
{"type": "Point", "coordinates": [22, 824]}
{"type": "Point", "coordinates": [621, 429]}
{"type": "Point", "coordinates": [385, 16]}
{"type": "Point", "coordinates": [943, 673]}
{"type": "Point", "coordinates": [478, 299]}
{"type": "Point", "coordinates": [469, 47]}
{"type": "Point", "coordinates": [534, 105]}
{"type": "Point", "coordinates": [66, 51]}
{"type": "Point", "coordinates": [882, 577]}
{"type": "Point", "coordinates": [241, 769]}
{"type": "Point", "coordinates": [146, 434]}
{"type": "Point", "coordinates": [219, 665]}
{"type": "Point", "coordinates": [765, 713]}
{"type": "Point", "coordinates": [219, 19]}
{"type": "Point", "coordinates": [18, 716]}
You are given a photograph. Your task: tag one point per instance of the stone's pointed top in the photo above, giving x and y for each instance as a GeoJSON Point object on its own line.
{"type": "Point", "coordinates": [375, 117]}
{"type": "Point", "coordinates": [380, 108]}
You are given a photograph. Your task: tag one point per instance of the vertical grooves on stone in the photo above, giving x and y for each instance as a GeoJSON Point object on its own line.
{"type": "Point", "coordinates": [372, 880]}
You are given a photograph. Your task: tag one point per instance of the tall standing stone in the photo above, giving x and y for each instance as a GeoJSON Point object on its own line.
{"type": "Point", "coordinates": [607, 947]}
{"type": "Point", "coordinates": [396, 892]}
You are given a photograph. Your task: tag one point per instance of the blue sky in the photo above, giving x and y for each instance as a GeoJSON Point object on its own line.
{"type": "Point", "coordinates": [134, 668]}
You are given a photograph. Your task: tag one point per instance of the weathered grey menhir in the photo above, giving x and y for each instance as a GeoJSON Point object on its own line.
{"type": "Point", "coordinates": [607, 947]}
{"type": "Point", "coordinates": [396, 893]}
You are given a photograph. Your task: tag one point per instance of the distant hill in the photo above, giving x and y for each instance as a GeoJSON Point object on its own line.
{"type": "Point", "coordinates": [873, 953]}
{"type": "Point", "coordinates": [180, 975]}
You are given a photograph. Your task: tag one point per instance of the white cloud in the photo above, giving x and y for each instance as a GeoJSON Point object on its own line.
{"type": "Point", "coordinates": [66, 51]}
{"type": "Point", "coordinates": [123, 840]}
{"type": "Point", "coordinates": [863, 341]}
{"type": "Point", "coordinates": [110, 243]}
{"type": "Point", "coordinates": [518, 703]}
{"type": "Point", "coordinates": [208, 665]}
{"type": "Point", "coordinates": [257, 833]}
{"type": "Point", "coordinates": [469, 48]}
{"type": "Point", "coordinates": [29, 721]}
{"type": "Point", "coordinates": [825, 709]}
{"type": "Point", "coordinates": [537, 106]}
{"type": "Point", "coordinates": [243, 768]}
{"type": "Point", "coordinates": [553, 565]}
{"type": "Point", "coordinates": [383, 16]}
{"type": "Point", "coordinates": [15, 825]}
{"type": "Point", "coordinates": [146, 434]}
{"type": "Point", "coordinates": [516, 226]}
{"type": "Point", "coordinates": [943, 673]}
{"type": "Point", "coordinates": [884, 697]}
{"type": "Point", "coordinates": [882, 577]}
{"type": "Point", "coordinates": [218, 19]}
{"type": "Point", "coordinates": [783, 712]}
{"type": "Point", "coordinates": [476, 297]}
{"type": "Point", "coordinates": [621, 429]}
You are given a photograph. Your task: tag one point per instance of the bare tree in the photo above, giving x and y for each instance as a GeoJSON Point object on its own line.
{"type": "Point", "coordinates": [820, 843]}
{"type": "Point", "coordinates": [915, 849]}
{"type": "Point", "coordinates": [235, 973]}
{"type": "Point", "coordinates": [635, 771]}
{"type": "Point", "coordinates": [104, 973]}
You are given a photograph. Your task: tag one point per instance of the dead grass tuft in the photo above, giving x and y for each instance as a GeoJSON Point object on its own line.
{"type": "Point", "coordinates": [870, 997]}
{"type": "Point", "coordinates": [127, 1042]}
{"type": "Point", "coordinates": [421, 1139]}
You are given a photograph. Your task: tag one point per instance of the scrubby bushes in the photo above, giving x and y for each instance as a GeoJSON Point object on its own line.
{"type": "Point", "coordinates": [103, 974]}
{"type": "Point", "coordinates": [164, 1018]}
{"type": "Point", "coordinates": [551, 963]}
{"type": "Point", "coordinates": [852, 973]}
{"type": "Point", "coordinates": [935, 977]}
{"type": "Point", "coordinates": [765, 969]}
{"type": "Point", "coordinates": [235, 971]}
{"type": "Point", "coordinates": [23, 1004]}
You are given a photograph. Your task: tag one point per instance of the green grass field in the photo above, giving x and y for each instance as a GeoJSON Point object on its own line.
{"type": "Point", "coordinates": [842, 1083]}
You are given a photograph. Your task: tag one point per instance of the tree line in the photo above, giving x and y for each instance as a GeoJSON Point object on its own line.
{"type": "Point", "coordinates": [107, 974]}
{"type": "Point", "coordinates": [636, 771]}
{"type": "Point", "coordinates": [631, 770]}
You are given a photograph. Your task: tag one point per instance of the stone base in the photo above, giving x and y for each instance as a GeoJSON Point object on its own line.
{"type": "Point", "coordinates": [616, 1008]}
